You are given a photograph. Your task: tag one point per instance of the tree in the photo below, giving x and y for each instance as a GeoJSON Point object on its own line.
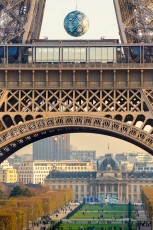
{"type": "Point", "coordinates": [19, 191]}
{"type": "Point", "coordinates": [46, 205]}
{"type": "Point", "coordinates": [3, 191]}
{"type": "Point", "coordinates": [8, 221]}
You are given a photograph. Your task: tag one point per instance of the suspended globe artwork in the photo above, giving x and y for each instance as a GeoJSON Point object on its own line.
{"type": "Point", "coordinates": [76, 23]}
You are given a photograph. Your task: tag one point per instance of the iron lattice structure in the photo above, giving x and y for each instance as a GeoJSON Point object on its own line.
{"type": "Point", "coordinates": [45, 91]}
{"type": "Point", "coordinates": [27, 115]}
{"type": "Point", "coordinates": [43, 94]}
{"type": "Point", "coordinates": [135, 20]}
{"type": "Point", "coordinates": [20, 20]}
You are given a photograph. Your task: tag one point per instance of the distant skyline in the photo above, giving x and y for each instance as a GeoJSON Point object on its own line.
{"type": "Point", "coordinates": [102, 23]}
{"type": "Point", "coordinates": [100, 143]}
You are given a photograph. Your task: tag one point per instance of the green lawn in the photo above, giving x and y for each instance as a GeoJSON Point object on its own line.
{"type": "Point", "coordinates": [100, 207]}
{"type": "Point", "coordinates": [99, 215]}
{"type": "Point", "coordinates": [96, 227]}
{"type": "Point", "coordinates": [98, 211]}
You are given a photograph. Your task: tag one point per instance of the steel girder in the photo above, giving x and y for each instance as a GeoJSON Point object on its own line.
{"type": "Point", "coordinates": [30, 115]}
{"type": "Point", "coordinates": [135, 20]}
{"type": "Point", "coordinates": [20, 20]}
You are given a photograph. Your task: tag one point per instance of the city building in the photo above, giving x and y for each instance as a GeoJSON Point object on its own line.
{"type": "Point", "coordinates": [7, 173]}
{"type": "Point", "coordinates": [52, 148]}
{"type": "Point", "coordinates": [8, 176]}
{"type": "Point", "coordinates": [126, 166]}
{"type": "Point", "coordinates": [133, 157]}
{"type": "Point", "coordinates": [143, 157]}
{"type": "Point", "coordinates": [143, 166]}
{"type": "Point", "coordinates": [121, 157]}
{"type": "Point", "coordinates": [83, 155]}
{"type": "Point", "coordinates": [5, 165]}
{"type": "Point", "coordinates": [36, 171]}
{"type": "Point", "coordinates": [107, 183]}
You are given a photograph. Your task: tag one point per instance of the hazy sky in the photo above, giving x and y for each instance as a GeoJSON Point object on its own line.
{"type": "Point", "coordinates": [101, 15]}
{"type": "Point", "coordinates": [102, 22]}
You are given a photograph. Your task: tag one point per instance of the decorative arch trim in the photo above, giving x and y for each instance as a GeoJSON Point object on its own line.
{"type": "Point", "coordinates": [18, 136]}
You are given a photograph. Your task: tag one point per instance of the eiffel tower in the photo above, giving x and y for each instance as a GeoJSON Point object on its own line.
{"type": "Point", "coordinates": [68, 86]}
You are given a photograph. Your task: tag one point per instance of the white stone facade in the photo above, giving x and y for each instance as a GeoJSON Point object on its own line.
{"type": "Point", "coordinates": [36, 171]}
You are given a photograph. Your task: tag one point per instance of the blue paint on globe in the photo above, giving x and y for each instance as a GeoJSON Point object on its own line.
{"type": "Point", "coordinates": [76, 23]}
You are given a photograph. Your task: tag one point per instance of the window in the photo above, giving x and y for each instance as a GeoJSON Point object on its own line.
{"type": "Point", "coordinates": [44, 54]}
{"type": "Point", "coordinates": [135, 198]}
{"type": "Point", "coordinates": [98, 54]}
{"type": "Point", "coordinates": [76, 188]}
{"type": "Point", "coordinates": [115, 188]}
{"type": "Point", "coordinates": [110, 54]}
{"type": "Point", "coordinates": [135, 188]}
{"type": "Point", "coordinates": [71, 55]}
{"type": "Point", "coordinates": [129, 187]}
{"type": "Point", "coordinates": [140, 168]}
{"type": "Point", "coordinates": [92, 57]}
{"type": "Point", "coordinates": [102, 188]}
{"type": "Point", "coordinates": [104, 55]}
{"type": "Point", "coordinates": [82, 188]}
{"type": "Point", "coordinates": [108, 188]}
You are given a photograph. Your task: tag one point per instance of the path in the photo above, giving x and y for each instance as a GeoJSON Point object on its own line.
{"type": "Point", "coordinates": [60, 214]}
{"type": "Point", "coordinates": [141, 217]}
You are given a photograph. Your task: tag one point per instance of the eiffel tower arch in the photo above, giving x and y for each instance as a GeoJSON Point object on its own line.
{"type": "Point", "coordinates": [53, 87]}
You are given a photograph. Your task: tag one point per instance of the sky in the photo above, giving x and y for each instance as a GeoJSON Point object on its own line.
{"type": "Point", "coordinates": [102, 23]}
{"type": "Point", "coordinates": [101, 15]}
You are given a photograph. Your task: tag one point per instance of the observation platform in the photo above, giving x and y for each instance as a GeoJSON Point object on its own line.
{"type": "Point", "coordinates": [76, 64]}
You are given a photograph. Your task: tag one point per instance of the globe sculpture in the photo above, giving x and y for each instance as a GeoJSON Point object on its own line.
{"type": "Point", "coordinates": [76, 23]}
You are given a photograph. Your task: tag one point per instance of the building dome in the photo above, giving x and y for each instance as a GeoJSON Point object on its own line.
{"type": "Point", "coordinates": [76, 23]}
{"type": "Point", "coordinates": [108, 163]}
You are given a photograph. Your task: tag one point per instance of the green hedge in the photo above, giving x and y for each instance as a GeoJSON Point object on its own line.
{"type": "Point", "coordinates": [74, 211]}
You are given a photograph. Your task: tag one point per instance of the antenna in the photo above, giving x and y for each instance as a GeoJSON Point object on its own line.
{"type": "Point", "coordinates": [76, 4]}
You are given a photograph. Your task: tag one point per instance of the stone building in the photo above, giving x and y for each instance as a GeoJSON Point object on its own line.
{"type": "Point", "coordinates": [107, 183]}
{"type": "Point", "coordinates": [83, 155]}
{"type": "Point", "coordinates": [7, 173]}
{"type": "Point", "coordinates": [36, 171]}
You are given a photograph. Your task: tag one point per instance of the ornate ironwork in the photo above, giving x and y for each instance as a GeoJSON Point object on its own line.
{"type": "Point", "coordinates": [135, 20]}
{"type": "Point", "coordinates": [74, 100]}
{"type": "Point", "coordinates": [20, 19]}
{"type": "Point", "coordinates": [14, 137]}
{"type": "Point", "coordinates": [117, 104]}
{"type": "Point", "coordinates": [124, 113]}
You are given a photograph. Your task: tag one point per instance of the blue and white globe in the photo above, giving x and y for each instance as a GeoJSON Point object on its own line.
{"type": "Point", "coordinates": [76, 23]}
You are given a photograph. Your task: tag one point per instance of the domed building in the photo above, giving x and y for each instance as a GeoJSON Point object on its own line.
{"type": "Point", "coordinates": [107, 184]}
{"type": "Point", "coordinates": [109, 164]}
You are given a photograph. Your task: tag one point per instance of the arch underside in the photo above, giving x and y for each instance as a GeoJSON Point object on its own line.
{"type": "Point", "coordinates": [21, 135]}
